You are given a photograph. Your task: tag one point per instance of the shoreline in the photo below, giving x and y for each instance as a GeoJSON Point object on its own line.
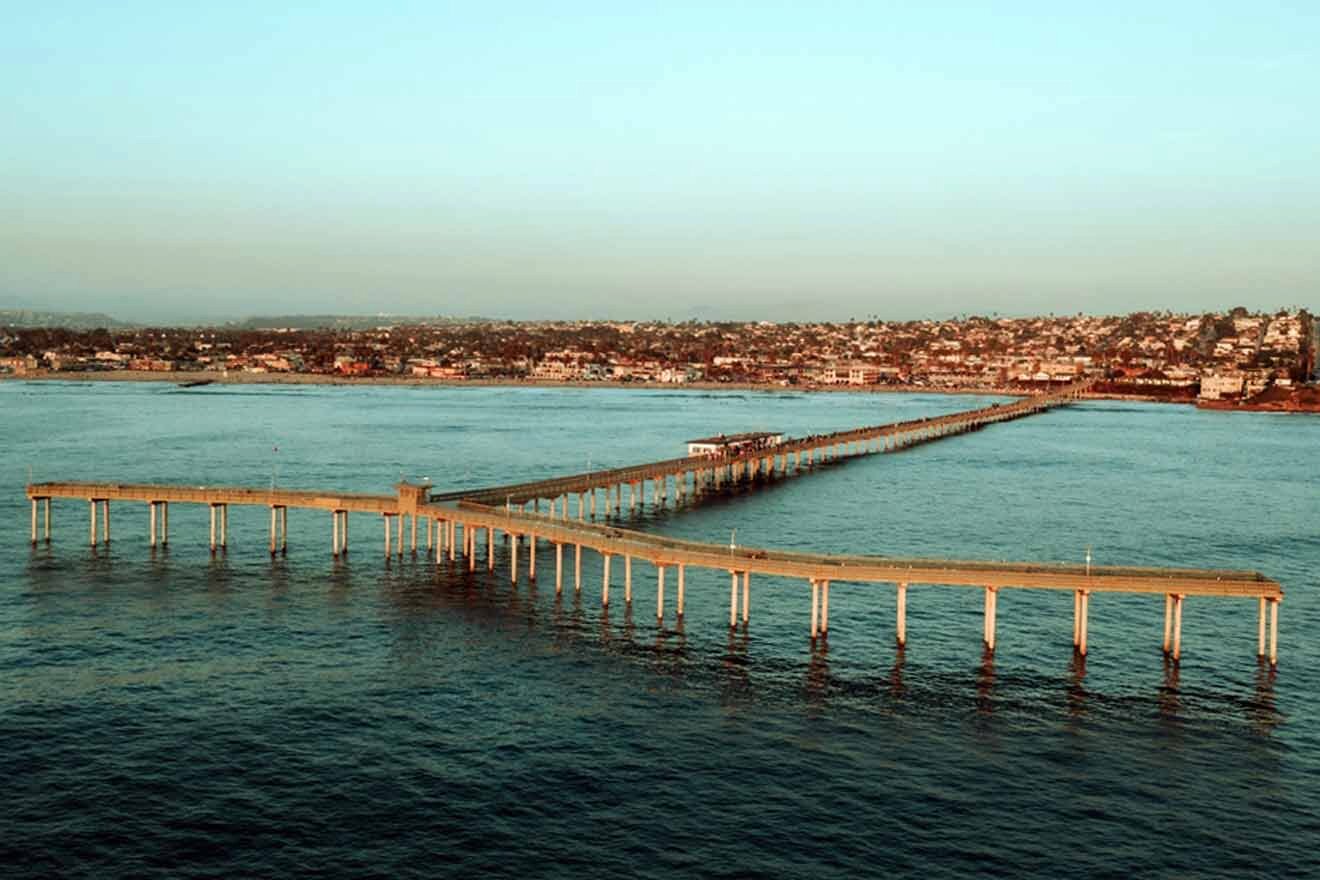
{"type": "Point", "coordinates": [179, 378]}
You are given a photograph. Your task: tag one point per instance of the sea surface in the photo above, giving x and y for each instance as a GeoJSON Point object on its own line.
{"type": "Point", "coordinates": [174, 715]}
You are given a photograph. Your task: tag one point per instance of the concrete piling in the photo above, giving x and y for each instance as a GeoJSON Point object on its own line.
{"type": "Point", "coordinates": [1177, 628]}
{"type": "Point", "coordinates": [815, 609]}
{"type": "Point", "coordinates": [559, 568]}
{"type": "Point", "coordinates": [1168, 624]}
{"type": "Point", "coordinates": [733, 600]}
{"type": "Point", "coordinates": [902, 615]}
{"type": "Point", "coordinates": [824, 607]}
{"type": "Point", "coordinates": [660, 593]}
{"type": "Point", "coordinates": [1274, 632]}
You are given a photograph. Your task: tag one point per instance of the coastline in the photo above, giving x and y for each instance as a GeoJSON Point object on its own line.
{"type": "Point", "coordinates": [179, 378]}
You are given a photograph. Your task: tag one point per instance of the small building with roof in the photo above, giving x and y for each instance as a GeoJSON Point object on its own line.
{"type": "Point", "coordinates": [722, 445]}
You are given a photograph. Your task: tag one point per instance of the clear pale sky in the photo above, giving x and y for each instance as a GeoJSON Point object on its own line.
{"type": "Point", "coordinates": [759, 160]}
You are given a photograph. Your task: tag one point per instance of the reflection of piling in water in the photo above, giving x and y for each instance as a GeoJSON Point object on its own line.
{"type": "Point", "coordinates": [985, 681]}
{"type": "Point", "coordinates": [1170, 700]}
{"type": "Point", "coordinates": [896, 687]}
{"type": "Point", "coordinates": [1262, 710]}
{"type": "Point", "coordinates": [1076, 690]}
{"type": "Point", "coordinates": [818, 671]}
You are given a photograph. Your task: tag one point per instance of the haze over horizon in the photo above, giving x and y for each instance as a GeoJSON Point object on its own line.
{"type": "Point", "coordinates": [691, 161]}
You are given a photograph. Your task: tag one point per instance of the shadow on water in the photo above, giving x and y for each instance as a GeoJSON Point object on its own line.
{"type": "Point", "coordinates": [99, 561]}
{"type": "Point", "coordinates": [280, 577]}
{"type": "Point", "coordinates": [629, 627]}
{"type": "Point", "coordinates": [897, 689]}
{"type": "Point", "coordinates": [576, 616]}
{"type": "Point", "coordinates": [985, 683]}
{"type": "Point", "coordinates": [818, 683]}
{"type": "Point", "coordinates": [1077, 695]}
{"type": "Point", "coordinates": [1169, 699]}
{"type": "Point", "coordinates": [219, 578]}
{"type": "Point", "coordinates": [339, 580]}
{"type": "Point", "coordinates": [735, 665]}
{"type": "Point", "coordinates": [605, 629]}
{"type": "Point", "coordinates": [1261, 709]}
{"type": "Point", "coordinates": [670, 649]}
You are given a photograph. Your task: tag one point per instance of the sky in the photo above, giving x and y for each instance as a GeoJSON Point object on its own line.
{"type": "Point", "coordinates": [794, 161]}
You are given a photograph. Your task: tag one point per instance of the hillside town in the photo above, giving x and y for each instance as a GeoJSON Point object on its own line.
{"type": "Point", "coordinates": [1217, 356]}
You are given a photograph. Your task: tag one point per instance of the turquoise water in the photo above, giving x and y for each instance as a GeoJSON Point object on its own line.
{"type": "Point", "coordinates": [174, 715]}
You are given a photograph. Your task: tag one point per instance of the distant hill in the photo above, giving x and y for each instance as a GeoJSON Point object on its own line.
{"type": "Point", "coordinates": [71, 320]}
{"type": "Point", "coordinates": [344, 322]}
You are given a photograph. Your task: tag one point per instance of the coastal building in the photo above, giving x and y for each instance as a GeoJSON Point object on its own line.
{"type": "Point", "coordinates": [152, 365]}
{"type": "Point", "coordinates": [853, 373]}
{"type": "Point", "coordinates": [19, 366]}
{"type": "Point", "coordinates": [681, 375]}
{"type": "Point", "coordinates": [1216, 387]}
{"type": "Point", "coordinates": [555, 371]}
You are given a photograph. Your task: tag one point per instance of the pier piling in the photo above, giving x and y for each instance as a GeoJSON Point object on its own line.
{"type": "Point", "coordinates": [1168, 624]}
{"type": "Point", "coordinates": [1177, 628]}
{"type": "Point", "coordinates": [902, 615]}
{"type": "Point", "coordinates": [815, 609]}
{"type": "Point", "coordinates": [1260, 628]}
{"type": "Point", "coordinates": [559, 569]}
{"type": "Point", "coordinates": [733, 600]}
{"type": "Point", "coordinates": [1274, 632]}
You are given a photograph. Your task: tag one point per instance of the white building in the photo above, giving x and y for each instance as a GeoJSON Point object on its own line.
{"type": "Point", "coordinates": [1221, 387]}
{"type": "Point", "coordinates": [733, 444]}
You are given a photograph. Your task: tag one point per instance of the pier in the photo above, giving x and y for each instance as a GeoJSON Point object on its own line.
{"type": "Point", "coordinates": [458, 523]}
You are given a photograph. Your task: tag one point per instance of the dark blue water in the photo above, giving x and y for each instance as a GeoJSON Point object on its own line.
{"type": "Point", "coordinates": [179, 716]}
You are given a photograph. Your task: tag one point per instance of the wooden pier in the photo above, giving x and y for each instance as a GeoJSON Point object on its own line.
{"type": "Point", "coordinates": [456, 522]}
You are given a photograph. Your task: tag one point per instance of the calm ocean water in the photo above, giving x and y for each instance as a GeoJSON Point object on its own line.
{"type": "Point", "coordinates": [179, 716]}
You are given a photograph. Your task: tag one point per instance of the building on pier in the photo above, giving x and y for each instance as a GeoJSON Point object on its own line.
{"type": "Point", "coordinates": [723, 445]}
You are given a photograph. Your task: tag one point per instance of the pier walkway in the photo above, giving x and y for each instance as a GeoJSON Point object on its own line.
{"type": "Point", "coordinates": [457, 522]}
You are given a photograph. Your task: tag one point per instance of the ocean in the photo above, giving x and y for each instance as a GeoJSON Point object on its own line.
{"type": "Point", "coordinates": [169, 714]}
